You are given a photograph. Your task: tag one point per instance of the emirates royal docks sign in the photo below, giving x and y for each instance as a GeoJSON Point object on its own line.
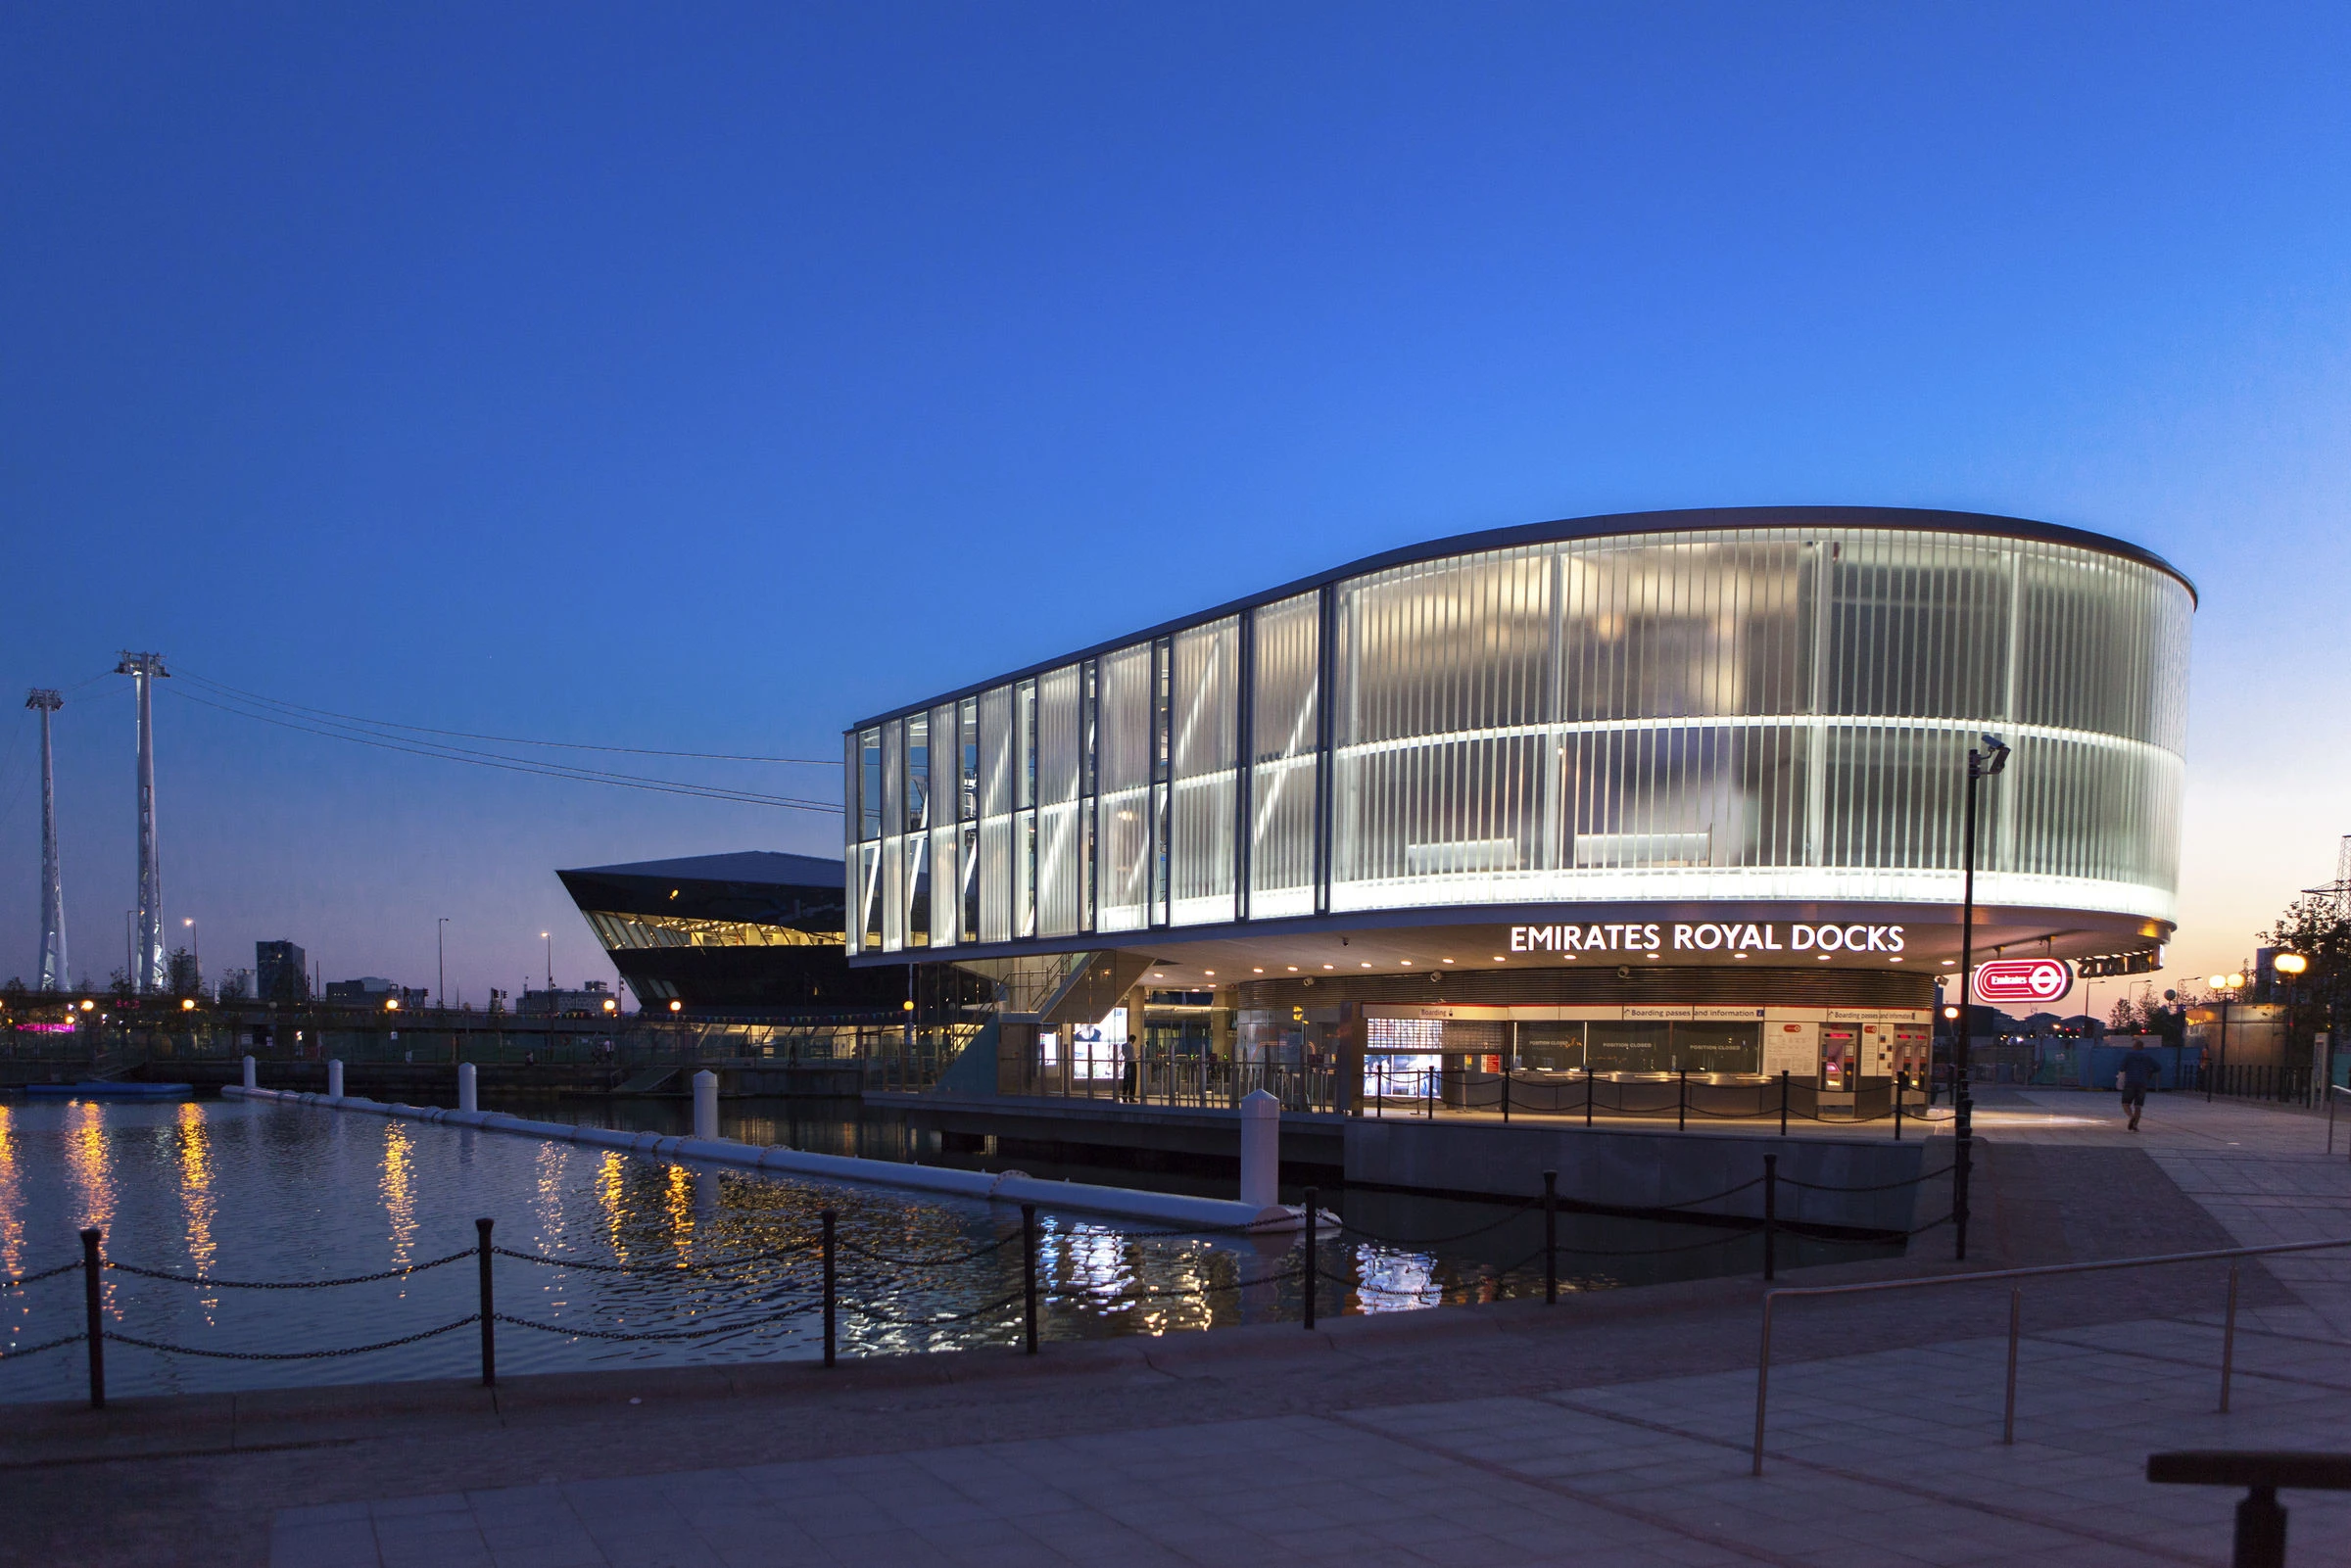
{"type": "Point", "coordinates": [1733, 936]}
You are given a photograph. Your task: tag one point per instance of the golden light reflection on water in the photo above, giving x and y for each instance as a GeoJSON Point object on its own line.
{"type": "Point", "coordinates": [12, 1198]}
{"type": "Point", "coordinates": [400, 1192]}
{"type": "Point", "coordinates": [193, 1146]}
{"type": "Point", "coordinates": [678, 1199]}
{"type": "Point", "coordinates": [87, 1162]}
{"type": "Point", "coordinates": [611, 1187]}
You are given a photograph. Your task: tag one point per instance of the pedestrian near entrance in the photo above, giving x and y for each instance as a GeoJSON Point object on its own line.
{"type": "Point", "coordinates": [2139, 1069]}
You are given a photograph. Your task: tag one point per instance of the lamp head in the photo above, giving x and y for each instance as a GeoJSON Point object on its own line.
{"type": "Point", "coordinates": [2290, 962]}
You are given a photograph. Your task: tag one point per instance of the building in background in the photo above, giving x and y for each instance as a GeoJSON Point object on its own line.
{"type": "Point", "coordinates": [1646, 793]}
{"type": "Point", "coordinates": [373, 990]}
{"type": "Point", "coordinates": [281, 972]}
{"type": "Point", "coordinates": [591, 1001]}
{"type": "Point", "coordinates": [751, 934]}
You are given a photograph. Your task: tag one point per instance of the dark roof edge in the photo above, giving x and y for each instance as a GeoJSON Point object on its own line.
{"type": "Point", "coordinates": [1689, 520]}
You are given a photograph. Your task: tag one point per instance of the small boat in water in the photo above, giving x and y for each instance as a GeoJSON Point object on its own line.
{"type": "Point", "coordinates": [109, 1091]}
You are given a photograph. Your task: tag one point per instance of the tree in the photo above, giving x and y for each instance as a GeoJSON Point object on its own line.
{"type": "Point", "coordinates": [181, 978]}
{"type": "Point", "coordinates": [2318, 929]}
{"type": "Point", "coordinates": [2126, 1018]}
{"type": "Point", "coordinates": [15, 989]}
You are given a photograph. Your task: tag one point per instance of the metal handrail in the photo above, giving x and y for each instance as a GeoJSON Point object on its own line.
{"type": "Point", "coordinates": [2016, 1311]}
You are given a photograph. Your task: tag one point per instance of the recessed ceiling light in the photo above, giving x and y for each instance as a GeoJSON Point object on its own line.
{"type": "Point", "coordinates": [1208, 972]}
{"type": "Point", "coordinates": [1824, 958]}
{"type": "Point", "coordinates": [1893, 961]}
{"type": "Point", "coordinates": [1737, 955]}
{"type": "Point", "coordinates": [1330, 966]}
{"type": "Point", "coordinates": [1499, 959]}
{"type": "Point", "coordinates": [1257, 972]}
{"type": "Point", "coordinates": [1570, 956]}
{"type": "Point", "coordinates": [1293, 969]}
{"type": "Point", "coordinates": [1406, 962]}
{"type": "Point", "coordinates": [1444, 961]}
{"type": "Point", "coordinates": [1367, 962]}
{"type": "Point", "coordinates": [1652, 958]}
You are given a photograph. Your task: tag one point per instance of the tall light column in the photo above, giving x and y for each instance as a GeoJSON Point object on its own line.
{"type": "Point", "coordinates": [53, 888]}
{"type": "Point", "coordinates": [147, 975]}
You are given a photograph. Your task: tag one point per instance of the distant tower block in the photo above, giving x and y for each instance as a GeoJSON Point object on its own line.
{"type": "Point", "coordinates": [53, 890]}
{"type": "Point", "coordinates": [147, 976]}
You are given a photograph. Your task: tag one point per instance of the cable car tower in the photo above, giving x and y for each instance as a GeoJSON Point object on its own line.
{"type": "Point", "coordinates": [147, 975]}
{"type": "Point", "coordinates": [53, 893]}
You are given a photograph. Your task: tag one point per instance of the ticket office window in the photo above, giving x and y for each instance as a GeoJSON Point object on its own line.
{"type": "Point", "coordinates": [1718, 1047]}
{"type": "Point", "coordinates": [1549, 1047]}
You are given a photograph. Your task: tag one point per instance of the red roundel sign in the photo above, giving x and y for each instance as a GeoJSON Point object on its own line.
{"type": "Point", "coordinates": [2023, 980]}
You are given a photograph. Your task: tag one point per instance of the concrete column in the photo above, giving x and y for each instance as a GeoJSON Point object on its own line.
{"type": "Point", "coordinates": [705, 1104]}
{"type": "Point", "coordinates": [334, 1080]}
{"type": "Point", "coordinates": [1261, 1151]}
{"type": "Point", "coordinates": [252, 1076]}
{"type": "Point", "coordinates": [468, 1097]}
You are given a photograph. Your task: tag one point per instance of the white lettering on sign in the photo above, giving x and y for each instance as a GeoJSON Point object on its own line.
{"type": "Point", "coordinates": [2023, 980]}
{"type": "Point", "coordinates": [1625, 939]}
{"type": "Point", "coordinates": [1727, 936]}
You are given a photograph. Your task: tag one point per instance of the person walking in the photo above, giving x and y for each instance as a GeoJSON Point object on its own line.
{"type": "Point", "coordinates": [2139, 1069]}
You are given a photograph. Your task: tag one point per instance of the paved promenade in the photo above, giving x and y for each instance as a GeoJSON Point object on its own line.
{"type": "Point", "coordinates": [1614, 1429]}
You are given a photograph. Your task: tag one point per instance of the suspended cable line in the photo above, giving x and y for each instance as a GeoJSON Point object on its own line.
{"type": "Point", "coordinates": [485, 759]}
{"type": "Point", "coordinates": [503, 739]}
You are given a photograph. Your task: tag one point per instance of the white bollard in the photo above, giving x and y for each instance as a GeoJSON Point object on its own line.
{"type": "Point", "coordinates": [251, 1077]}
{"type": "Point", "coordinates": [467, 1098]}
{"type": "Point", "coordinates": [334, 1080]}
{"type": "Point", "coordinates": [705, 1104]}
{"type": "Point", "coordinates": [1261, 1151]}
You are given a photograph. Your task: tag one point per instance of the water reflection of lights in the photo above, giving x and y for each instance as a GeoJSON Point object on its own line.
{"type": "Point", "coordinates": [193, 1134]}
{"type": "Point", "coordinates": [1390, 1281]}
{"type": "Point", "coordinates": [399, 1191]}
{"type": "Point", "coordinates": [93, 1181]}
{"type": "Point", "coordinates": [11, 1201]}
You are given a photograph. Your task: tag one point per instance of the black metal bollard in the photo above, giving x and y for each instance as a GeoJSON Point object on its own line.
{"type": "Point", "coordinates": [1783, 1101]}
{"type": "Point", "coordinates": [1312, 1197]}
{"type": "Point", "coordinates": [1901, 1081]}
{"type": "Point", "coordinates": [1551, 1238]}
{"type": "Point", "coordinates": [1681, 1108]}
{"type": "Point", "coordinates": [1587, 1091]}
{"type": "Point", "coordinates": [1028, 1273]}
{"type": "Point", "coordinates": [1771, 1216]}
{"type": "Point", "coordinates": [481, 1232]}
{"type": "Point", "coordinates": [1505, 1095]}
{"type": "Point", "coordinates": [93, 1299]}
{"type": "Point", "coordinates": [1962, 1161]}
{"type": "Point", "coordinates": [829, 1217]}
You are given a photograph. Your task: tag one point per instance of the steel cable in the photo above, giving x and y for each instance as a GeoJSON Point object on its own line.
{"type": "Point", "coordinates": [207, 1282]}
{"type": "Point", "coordinates": [657, 1270]}
{"type": "Point", "coordinates": [10, 1353]}
{"type": "Point", "coordinates": [34, 1279]}
{"type": "Point", "coordinates": [290, 1355]}
{"type": "Point", "coordinates": [712, 1332]}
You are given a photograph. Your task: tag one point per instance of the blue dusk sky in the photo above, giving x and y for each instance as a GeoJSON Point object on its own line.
{"type": "Point", "coordinates": [696, 378]}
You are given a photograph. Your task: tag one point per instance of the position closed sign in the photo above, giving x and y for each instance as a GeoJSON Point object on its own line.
{"type": "Point", "coordinates": [2023, 980]}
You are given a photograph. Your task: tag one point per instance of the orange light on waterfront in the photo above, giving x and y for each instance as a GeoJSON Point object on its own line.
{"type": "Point", "coordinates": [676, 1006]}
{"type": "Point", "coordinates": [391, 1004]}
{"type": "Point", "coordinates": [187, 1004]}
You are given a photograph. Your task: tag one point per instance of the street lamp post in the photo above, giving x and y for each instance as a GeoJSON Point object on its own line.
{"type": "Point", "coordinates": [441, 960]}
{"type": "Point", "coordinates": [2292, 966]}
{"type": "Point", "coordinates": [1981, 765]}
{"type": "Point", "coordinates": [195, 951]}
{"type": "Point", "coordinates": [2226, 985]}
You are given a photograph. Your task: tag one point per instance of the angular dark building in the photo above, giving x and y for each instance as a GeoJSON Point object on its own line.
{"type": "Point", "coordinates": [753, 934]}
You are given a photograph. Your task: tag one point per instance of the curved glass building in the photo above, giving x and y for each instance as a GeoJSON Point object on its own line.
{"type": "Point", "coordinates": [1723, 752]}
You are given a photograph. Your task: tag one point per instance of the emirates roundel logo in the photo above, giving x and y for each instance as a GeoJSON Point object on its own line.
{"type": "Point", "coordinates": [2023, 980]}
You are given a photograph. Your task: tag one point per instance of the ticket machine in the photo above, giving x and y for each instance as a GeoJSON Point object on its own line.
{"type": "Point", "coordinates": [1840, 1057]}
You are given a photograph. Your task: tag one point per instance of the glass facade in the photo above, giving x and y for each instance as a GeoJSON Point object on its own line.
{"type": "Point", "coordinates": [1770, 713]}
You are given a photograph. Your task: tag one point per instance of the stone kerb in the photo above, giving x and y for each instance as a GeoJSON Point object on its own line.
{"type": "Point", "coordinates": [1652, 1170]}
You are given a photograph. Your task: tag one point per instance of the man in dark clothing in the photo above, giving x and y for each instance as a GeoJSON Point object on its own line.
{"type": "Point", "coordinates": [2139, 1069]}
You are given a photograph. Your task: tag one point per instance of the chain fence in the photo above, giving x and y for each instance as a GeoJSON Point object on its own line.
{"type": "Point", "coordinates": [871, 1280]}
